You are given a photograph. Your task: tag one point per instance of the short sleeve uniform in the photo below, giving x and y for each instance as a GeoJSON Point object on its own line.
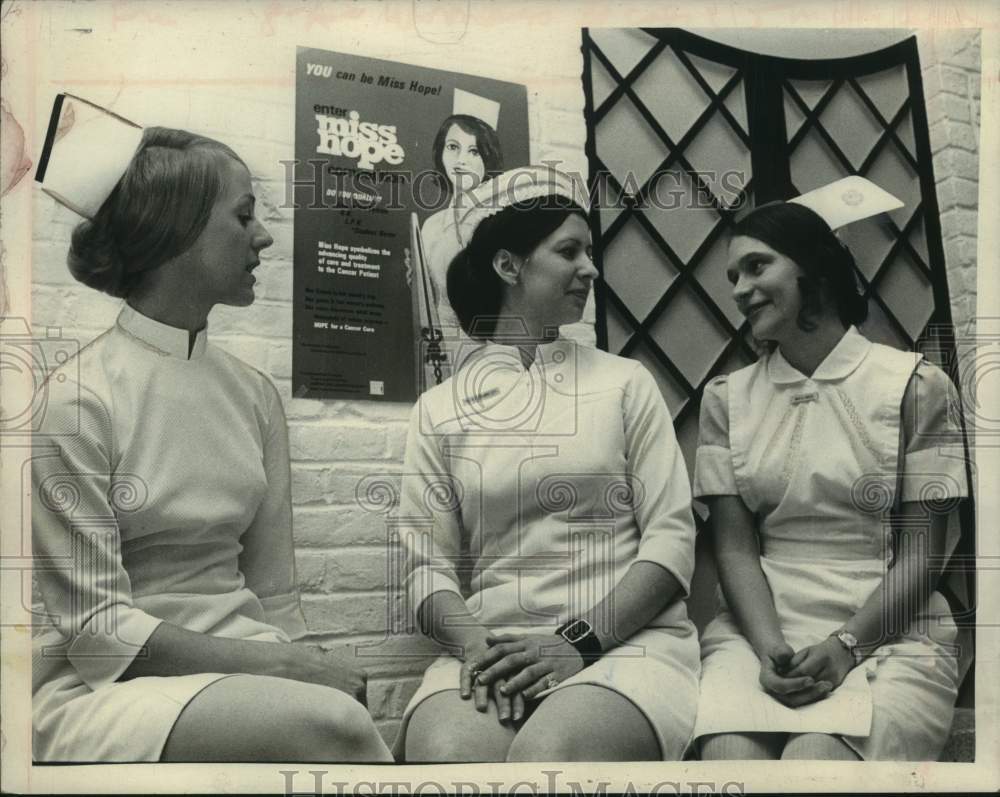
{"type": "Point", "coordinates": [820, 462]}
{"type": "Point", "coordinates": [160, 486]}
{"type": "Point", "coordinates": [531, 491]}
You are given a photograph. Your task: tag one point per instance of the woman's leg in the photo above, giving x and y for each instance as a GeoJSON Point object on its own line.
{"type": "Point", "coordinates": [584, 722]}
{"type": "Point", "coordinates": [445, 728]}
{"type": "Point", "coordinates": [818, 747]}
{"type": "Point", "coordinates": [741, 746]}
{"type": "Point", "coordinates": [261, 718]}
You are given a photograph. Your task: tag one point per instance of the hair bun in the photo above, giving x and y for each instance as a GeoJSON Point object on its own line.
{"type": "Point", "coordinates": [94, 259]}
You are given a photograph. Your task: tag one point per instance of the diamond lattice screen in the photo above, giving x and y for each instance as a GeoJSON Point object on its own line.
{"type": "Point", "coordinates": [673, 145]}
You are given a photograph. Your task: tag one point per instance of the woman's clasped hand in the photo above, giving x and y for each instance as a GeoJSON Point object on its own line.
{"type": "Point", "coordinates": [514, 668]}
{"type": "Point", "coordinates": [802, 677]}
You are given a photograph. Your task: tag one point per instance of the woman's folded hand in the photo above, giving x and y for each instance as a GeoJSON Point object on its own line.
{"type": "Point", "coordinates": [788, 687]}
{"type": "Point", "coordinates": [510, 708]}
{"type": "Point", "coordinates": [827, 661]}
{"type": "Point", "coordinates": [530, 663]}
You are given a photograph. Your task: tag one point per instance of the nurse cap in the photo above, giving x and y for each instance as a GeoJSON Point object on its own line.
{"type": "Point", "coordinates": [845, 201]}
{"type": "Point", "coordinates": [87, 151]}
{"type": "Point", "coordinates": [469, 104]}
{"type": "Point", "coordinates": [516, 185]}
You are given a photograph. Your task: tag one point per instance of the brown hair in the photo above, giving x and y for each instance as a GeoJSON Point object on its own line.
{"type": "Point", "coordinates": [155, 212]}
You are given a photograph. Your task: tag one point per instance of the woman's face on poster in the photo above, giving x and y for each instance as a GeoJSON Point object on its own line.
{"type": "Point", "coordinates": [461, 159]}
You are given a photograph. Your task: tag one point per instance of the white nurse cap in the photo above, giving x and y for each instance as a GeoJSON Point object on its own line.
{"type": "Point", "coordinates": [848, 200]}
{"type": "Point", "coordinates": [470, 104]}
{"type": "Point", "coordinates": [87, 151]}
{"type": "Point", "coordinates": [517, 185]}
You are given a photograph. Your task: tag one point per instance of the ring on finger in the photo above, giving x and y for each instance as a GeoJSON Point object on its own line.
{"type": "Point", "coordinates": [551, 683]}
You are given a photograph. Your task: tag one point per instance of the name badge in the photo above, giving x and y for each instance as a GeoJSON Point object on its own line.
{"type": "Point", "coordinates": [480, 397]}
{"type": "Point", "coordinates": [802, 398]}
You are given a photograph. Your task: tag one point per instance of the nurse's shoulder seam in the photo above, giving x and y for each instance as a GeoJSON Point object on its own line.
{"type": "Point", "coordinates": [437, 402]}
{"type": "Point", "coordinates": [614, 367]}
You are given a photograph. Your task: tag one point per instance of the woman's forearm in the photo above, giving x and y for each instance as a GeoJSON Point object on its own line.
{"type": "Point", "coordinates": [172, 650]}
{"type": "Point", "coordinates": [641, 594]}
{"type": "Point", "coordinates": [906, 587]}
{"type": "Point", "coordinates": [750, 600]}
{"type": "Point", "coordinates": [444, 617]}
{"type": "Point", "coordinates": [737, 556]}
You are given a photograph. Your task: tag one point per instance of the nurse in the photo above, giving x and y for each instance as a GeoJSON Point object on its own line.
{"type": "Point", "coordinates": [831, 469]}
{"type": "Point", "coordinates": [546, 514]}
{"type": "Point", "coordinates": [161, 512]}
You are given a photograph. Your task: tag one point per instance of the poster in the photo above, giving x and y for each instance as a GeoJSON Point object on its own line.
{"type": "Point", "coordinates": [383, 153]}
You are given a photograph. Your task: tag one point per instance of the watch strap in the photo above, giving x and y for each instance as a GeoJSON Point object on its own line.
{"type": "Point", "coordinates": [580, 634]}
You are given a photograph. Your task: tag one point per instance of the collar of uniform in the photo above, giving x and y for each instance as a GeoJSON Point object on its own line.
{"type": "Point", "coordinates": [842, 360]}
{"type": "Point", "coordinates": [164, 338]}
{"type": "Point", "coordinates": [554, 352]}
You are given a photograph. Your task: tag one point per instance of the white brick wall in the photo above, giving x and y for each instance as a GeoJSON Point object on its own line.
{"type": "Point", "coordinates": [951, 69]}
{"type": "Point", "coordinates": [243, 96]}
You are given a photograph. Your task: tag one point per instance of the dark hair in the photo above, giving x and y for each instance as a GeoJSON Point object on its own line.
{"type": "Point", "coordinates": [486, 141]}
{"type": "Point", "coordinates": [155, 212]}
{"type": "Point", "coordinates": [475, 290]}
{"type": "Point", "coordinates": [828, 267]}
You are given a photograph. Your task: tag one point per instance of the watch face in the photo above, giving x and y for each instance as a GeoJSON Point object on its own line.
{"type": "Point", "coordinates": [576, 631]}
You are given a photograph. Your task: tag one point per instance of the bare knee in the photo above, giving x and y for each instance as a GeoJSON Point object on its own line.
{"type": "Point", "coordinates": [339, 728]}
{"type": "Point", "coordinates": [529, 747]}
{"type": "Point", "coordinates": [818, 747]}
{"type": "Point", "coordinates": [446, 729]}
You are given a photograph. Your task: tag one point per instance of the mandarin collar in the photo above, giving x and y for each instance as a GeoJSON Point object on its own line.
{"type": "Point", "coordinates": [554, 352]}
{"type": "Point", "coordinates": [167, 339]}
{"type": "Point", "coordinates": [840, 363]}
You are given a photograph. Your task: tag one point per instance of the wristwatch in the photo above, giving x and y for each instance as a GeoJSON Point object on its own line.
{"type": "Point", "coordinates": [850, 643]}
{"type": "Point", "coordinates": [580, 634]}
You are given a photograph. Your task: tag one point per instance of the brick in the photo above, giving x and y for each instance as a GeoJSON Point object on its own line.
{"type": "Point", "coordinates": [310, 570]}
{"type": "Point", "coordinates": [349, 485]}
{"type": "Point", "coordinates": [336, 442]}
{"type": "Point", "coordinates": [309, 484]}
{"type": "Point", "coordinates": [967, 59]}
{"type": "Point", "coordinates": [274, 279]}
{"type": "Point", "coordinates": [396, 441]}
{"type": "Point", "coordinates": [963, 135]}
{"type": "Point", "coordinates": [351, 613]}
{"type": "Point", "coordinates": [948, 79]}
{"type": "Point", "coordinates": [959, 253]}
{"type": "Point", "coordinates": [562, 127]}
{"type": "Point", "coordinates": [342, 570]}
{"type": "Point", "coordinates": [948, 106]}
{"type": "Point", "coordinates": [329, 526]}
{"type": "Point", "coordinates": [389, 411]}
{"type": "Point", "coordinates": [957, 163]}
{"type": "Point", "coordinates": [938, 134]}
{"type": "Point", "coordinates": [48, 265]}
{"type": "Point", "coordinates": [958, 222]}
{"type": "Point", "coordinates": [52, 220]}
{"type": "Point", "coordinates": [388, 699]}
{"type": "Point", "coordinates": [389, 729]}
{"type": "Point", "coordinates": [265, 319]}
{"type": "Point", "coordinates": [958, 191]}
{"type": "Point", "coordinates": [74, 309]}
{"type": "Point", "coordinates": [279, 359]}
